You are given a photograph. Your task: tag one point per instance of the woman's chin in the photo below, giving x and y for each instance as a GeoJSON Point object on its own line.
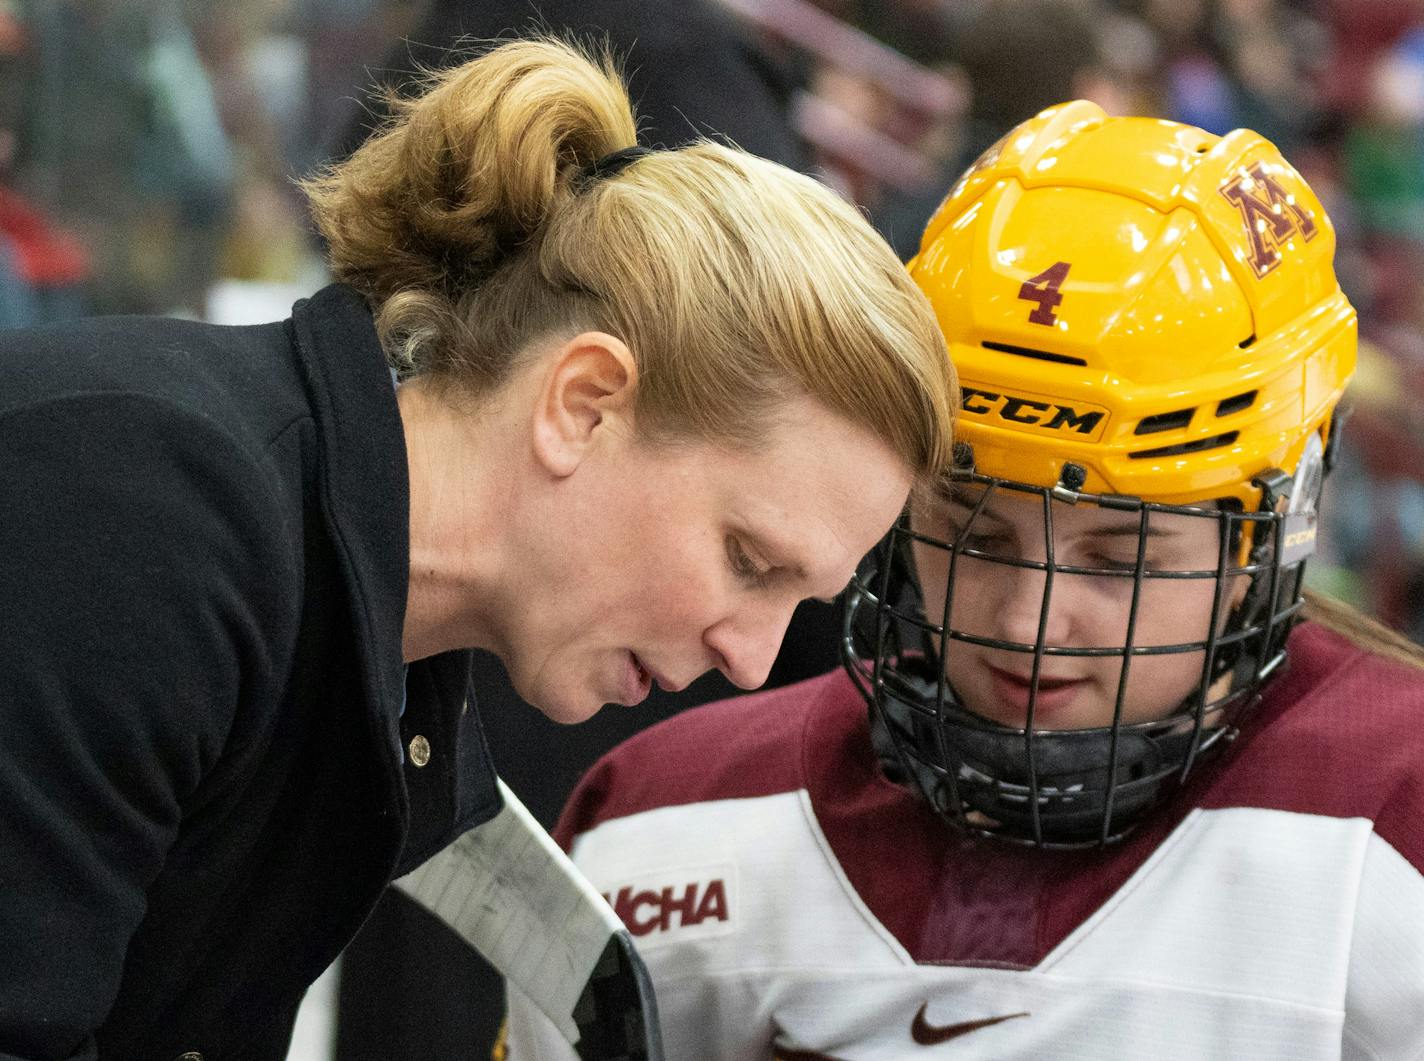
{"type": "Point", "coordinates": [567, 707]}
{"type": "Point", "coordinates": [570, 716]}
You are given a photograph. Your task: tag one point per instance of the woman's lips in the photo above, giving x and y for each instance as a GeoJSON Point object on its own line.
{"type": "Point", "coordinates": [661, 680]}
{"type": "Point", "coordinates": [637, 682]}
{"type": "Point", "coordinates": [1054, 694]}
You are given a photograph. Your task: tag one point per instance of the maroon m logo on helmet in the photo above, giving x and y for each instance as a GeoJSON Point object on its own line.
{"type": "Point", "coordinates": [1271, 215]}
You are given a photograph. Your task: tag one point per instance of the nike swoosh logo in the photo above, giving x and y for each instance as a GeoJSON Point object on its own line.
{"type": "Point", "coordinates": [926, 1034]}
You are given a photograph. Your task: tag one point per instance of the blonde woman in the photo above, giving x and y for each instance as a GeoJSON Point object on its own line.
{"type": "Point", "coordinates": [640, 400]}
{"type": "Point", "coordinates": [1123, 791]}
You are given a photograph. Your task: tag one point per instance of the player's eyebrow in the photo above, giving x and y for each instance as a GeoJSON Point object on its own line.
{"type": "Point", "coordinates": [1124, 530]}
{"type": "Point", "coordinates": [968, 504]}
{"type": "Point", "coordinates": [1115, 530]}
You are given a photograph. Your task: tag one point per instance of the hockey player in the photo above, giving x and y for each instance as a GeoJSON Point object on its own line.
{"type": "Point", "coordinates": [1113, 797]}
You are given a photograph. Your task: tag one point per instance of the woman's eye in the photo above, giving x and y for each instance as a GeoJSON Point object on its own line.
{"type": "Point", "coordinates": [980, 542]}
{"type": "Point", "coordinates": [1114, 563]}
{"type": "Point", "coordinates": [743, 566]}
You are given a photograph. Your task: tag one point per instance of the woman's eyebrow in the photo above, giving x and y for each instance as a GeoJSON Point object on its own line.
{"type": "Point", "coordinates": [1124, 530]}
{"type": "Point", "coordinates": [967, 504]}
{"type": "Point", "coordinates": [1116, 530]}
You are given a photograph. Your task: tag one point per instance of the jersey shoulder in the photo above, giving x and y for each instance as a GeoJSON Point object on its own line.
{"type": "Point", "coordinates": [740, 748]}
{"type": "Point", "coordinates": [1340, 734]}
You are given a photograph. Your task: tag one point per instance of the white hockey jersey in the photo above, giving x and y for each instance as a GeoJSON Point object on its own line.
{"type": "Point", "coordinates": [791, 903]}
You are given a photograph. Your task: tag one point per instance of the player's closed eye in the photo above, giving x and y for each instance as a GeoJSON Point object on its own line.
{"type": "Point", "coordinates": [1114, 561]}
{"type": "Point", "coordinates": [982, 541]}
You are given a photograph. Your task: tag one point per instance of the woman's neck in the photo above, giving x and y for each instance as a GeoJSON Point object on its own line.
{"type": "Point", "coordinates": [463, 468]}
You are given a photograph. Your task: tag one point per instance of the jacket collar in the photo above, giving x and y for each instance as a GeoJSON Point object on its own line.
{"type": "Point", "coordinates": [364, 481]}
{"type": "Point", "coordinates": [364, 489]}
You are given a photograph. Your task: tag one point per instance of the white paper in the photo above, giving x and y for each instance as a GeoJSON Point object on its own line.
{"type": "Point", "coordinates": [513, 895]}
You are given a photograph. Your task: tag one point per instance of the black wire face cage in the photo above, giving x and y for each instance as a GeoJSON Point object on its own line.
{"type": "Point", "coordinates": [1066, 788]}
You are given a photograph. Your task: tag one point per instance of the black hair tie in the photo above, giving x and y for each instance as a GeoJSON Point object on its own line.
{"type": "Point", "coordinates": [610, 165]}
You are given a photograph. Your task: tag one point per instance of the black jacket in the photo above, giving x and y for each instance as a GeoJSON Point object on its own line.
{"type": "Point", "coordinates": [203, 572]}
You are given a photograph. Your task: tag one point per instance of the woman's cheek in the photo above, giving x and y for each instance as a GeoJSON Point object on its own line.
{"type": "Point", "coordinates": [1157, 685]}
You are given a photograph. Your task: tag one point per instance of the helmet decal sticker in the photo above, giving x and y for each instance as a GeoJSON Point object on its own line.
{"type": "Point", "coordinates": [1270, 213]}
{"type": "Point", "coordinates": [1035, 411]}
{"type": "Point", "coordinates": [1298, 531]}
{"type": "Point", "coordinates": [1044, 289]}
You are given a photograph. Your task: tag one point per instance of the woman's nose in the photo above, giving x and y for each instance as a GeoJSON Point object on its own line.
{"type": "Point", "coordinates": [1028, 593]}
{"type": "Point", "coordinates": [746, 643]}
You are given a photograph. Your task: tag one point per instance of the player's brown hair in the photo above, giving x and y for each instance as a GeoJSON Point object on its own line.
{"type": "Point", "coordinates": [1359, 628]}
{"type": "Point", "coordinates": [735, 282]}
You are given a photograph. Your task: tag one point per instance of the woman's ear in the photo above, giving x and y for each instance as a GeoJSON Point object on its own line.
{"type": "Point", "coordinates": [587, 390]}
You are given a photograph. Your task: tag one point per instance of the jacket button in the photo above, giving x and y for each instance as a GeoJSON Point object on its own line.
{"type": "Point", "coordinates": [419, 755]}
{"type": "Point", "coordinates": [191, 1055]}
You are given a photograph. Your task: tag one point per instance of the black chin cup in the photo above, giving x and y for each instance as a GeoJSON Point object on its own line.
{"type": "Point", "coordinates": [990, 777]}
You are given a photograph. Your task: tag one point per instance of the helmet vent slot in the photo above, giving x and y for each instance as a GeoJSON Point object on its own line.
{"type": "Point", "coordinates": [1246, 343]}
{"type": "Point", "coordinates": [1214, 442]}
{"type": "Point", "coordinates": [1037, 355]}
{"type": "Point", "coordinates": [1164, 422]}
{"type": "Point", "coordinates": [1227, 406]}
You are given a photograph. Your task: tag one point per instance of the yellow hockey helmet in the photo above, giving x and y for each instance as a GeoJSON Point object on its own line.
{"type": "Point", "coordinates": [1141, 298]}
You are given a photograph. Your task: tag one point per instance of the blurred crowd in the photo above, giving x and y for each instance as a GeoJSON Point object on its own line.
{"type": "Point", "coordinates": [147, 150]}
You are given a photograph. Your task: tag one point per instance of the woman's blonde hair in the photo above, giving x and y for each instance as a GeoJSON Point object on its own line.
{"type": "Point", "coordinates": [1359, 628]}
{"type": "Point", "coordinates": [735, 282]}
